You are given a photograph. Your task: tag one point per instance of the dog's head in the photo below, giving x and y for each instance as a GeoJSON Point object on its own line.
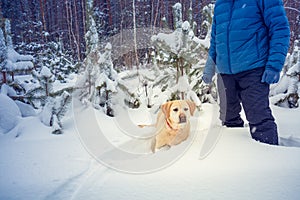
{"type": "Point", "coordinates": [178, 112]}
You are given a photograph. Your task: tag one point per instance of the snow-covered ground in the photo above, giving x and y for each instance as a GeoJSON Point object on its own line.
{"type": "Point", "coordinates": [39, 165]}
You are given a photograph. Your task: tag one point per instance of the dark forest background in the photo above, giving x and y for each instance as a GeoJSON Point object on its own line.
{"type": "Point", "coordinates": [64, 21]}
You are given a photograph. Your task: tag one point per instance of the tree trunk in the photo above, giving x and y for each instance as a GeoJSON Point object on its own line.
{"type": "Point", "coordinates": [46, 88]}
{"type": "Point", "coordinates": [156, 15]}
{"type": "Point", "coordinates": [4, 76]}
{"type": "Point", "coordinates": [134, 35]}
{"type": "Point", "coordinates": [83, 17]}
{"type": "Point", "coordinates": [44, 25]}
{"type": "Point", "coordinates": [69, 25]}
{"type": "Point", "coordinates": [109, 11]}
{"type": "Point", "coordinates": [77, 34]}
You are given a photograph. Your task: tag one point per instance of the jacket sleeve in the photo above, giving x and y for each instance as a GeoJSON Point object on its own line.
{"type": "Point", "coordinates": [211, 60]}
{"type": "Point", "coordinates": [212, 48]}
{"type": "Point", "coordinates": [279, 33]}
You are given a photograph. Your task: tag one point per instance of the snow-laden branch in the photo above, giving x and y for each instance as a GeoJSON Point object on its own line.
{"type": "Point", "coordinates": [291, 8]}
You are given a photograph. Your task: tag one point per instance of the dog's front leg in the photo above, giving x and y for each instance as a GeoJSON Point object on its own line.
{"type": "Point", "coordinates": [153, 145]}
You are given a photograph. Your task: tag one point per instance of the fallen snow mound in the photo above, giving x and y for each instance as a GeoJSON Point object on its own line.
{"type": "Point", "coordinates": [9, 114]}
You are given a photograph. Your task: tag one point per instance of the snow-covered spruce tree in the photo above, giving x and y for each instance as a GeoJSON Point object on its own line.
{"type": "Point", "coordinates": [54, 103]}
{"type": "Point", "coordinates": [90, 62]}
{"type": "Point", "coordinates": [100, 79]}
{"type": "Point", "coordinates": [53, 55]}
{"type": "Point", "coordinates": [13, 61]}
{"type": "Point", "coordinates": [3, 55]}
{"type": "Point", "coordinates": [206, 93]}
{"type": "Point", "coordinates": [8, 38]}
{"type": "Point", "coordinates": [54, 110]}
{"type": "Point", "coordinates": [207, 12]}
{"type": "Point", "coordinates": [106, 81]}
{"type": "Point", "coordinates": [286, 92]}
{"type": "Point", "coordinates": [182, 51]}
{"type": "Point", "coordinates": [131, 94]}
{"type": "Point", "coordinates": [177, 13]}
{"type": "Point", "coordinates": [58, 60]}
{"type": "Point", "coordinates": [46, 79]}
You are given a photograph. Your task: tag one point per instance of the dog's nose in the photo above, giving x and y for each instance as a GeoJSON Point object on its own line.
{"type": "Point", "coordinates": [182, 118]}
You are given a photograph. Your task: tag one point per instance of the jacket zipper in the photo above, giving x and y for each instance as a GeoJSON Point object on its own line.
{"type": "Point", "coordinates": [228, 29]}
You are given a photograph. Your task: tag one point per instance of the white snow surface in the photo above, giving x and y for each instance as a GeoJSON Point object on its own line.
{"type": "Point", "coordinates": [16, 61]}
{"type": "Point", "coordinates": [45, 72]}
{"type": "Point", "coordinates": [14, 56]}
{"type": "Point", "coordinates": [186, 26]}
{"type": "Point", "coordinates": [39, 165]}
{"type": "Point", "coordinates": [25, 109]}
{"type": "Point", "coordinates": [183, 84]}
{"type": "Point", "coordinates": [21, 65]}
{"type": "Point", "coordinates": [9, 114]}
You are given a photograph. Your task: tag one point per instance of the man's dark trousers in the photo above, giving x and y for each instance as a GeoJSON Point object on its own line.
{"type": "Point", "coordinates": [247, 89]}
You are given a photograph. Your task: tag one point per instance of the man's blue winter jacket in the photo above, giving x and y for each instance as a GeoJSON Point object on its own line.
{"type": "Point", "coordinates": [248, 34]}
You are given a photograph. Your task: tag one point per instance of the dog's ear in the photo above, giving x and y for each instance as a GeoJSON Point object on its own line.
{"type": "Point", "coordinates": [192, 106]}
{"type": "Point", "coordinates": [166, 108]}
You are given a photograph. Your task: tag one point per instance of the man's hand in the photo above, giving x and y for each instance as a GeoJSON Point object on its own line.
{"type": "Point", "coordinates": [270, 76]}
{"type": "Point", "coordinates": [207, 78]}
{"type": "Point", "coordinates": [209, 71]}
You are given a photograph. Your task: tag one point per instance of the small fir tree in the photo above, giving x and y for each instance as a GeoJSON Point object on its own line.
{"type": "Point", "coordinates": [54, 103]}
{"type": "Point", "coordinates": [106, 82]}
{"type": "Point", "coordinates": [180, 49]}
{"type": "Point", "coordinates": [3, 55]}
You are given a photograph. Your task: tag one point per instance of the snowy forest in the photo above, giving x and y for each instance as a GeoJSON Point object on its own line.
{"type": "Point", "coordinates": [100, 68]}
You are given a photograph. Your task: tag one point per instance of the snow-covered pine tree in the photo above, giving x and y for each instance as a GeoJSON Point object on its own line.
{"type": "Point", "coordinates": [8, 38]}
{"type": "Point", "coordinates": [59, 61]}
{"type": "Point", "coordinates": [206, 93]}
{"type": "Point", "coordinates": [106, 82]}
{"type": "Point", "coordinates": [91, 37]}
{"type": "Point", "coordinates": [207, 12]}
{"type": "Point", "coordinates": [52, 54]}
{"type": "Point", "coordinates": [180, 49]}
{"type": "Point", "coordinates": [54, 103]}
{"type": "Point", "coordinates": [177, 13]}
{"type": "Point", "coordinates": [286, 92]}
{"type": "Point", "coordinates": [99, 80]}
{"type": "Point", "coordinates": [46, 79]}
{"type": "Point", "coordinates": [90, 63]}
{"type": "Point", "coordinates": [54, 110]}
{"type": "Point", "coordinates": [3, 55]}
{"type": "Point", "coordinates": [14, 62]}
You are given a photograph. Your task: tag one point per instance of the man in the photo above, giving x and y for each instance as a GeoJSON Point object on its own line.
{"type": "Point", "coordinates": [249, 43]}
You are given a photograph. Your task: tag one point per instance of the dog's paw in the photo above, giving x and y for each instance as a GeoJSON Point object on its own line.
{"type": "Point", "coordinates": [163, 148]}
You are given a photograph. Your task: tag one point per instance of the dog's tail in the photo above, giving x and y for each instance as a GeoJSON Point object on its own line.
{"type": "Point", "coordinates": [146, 125]}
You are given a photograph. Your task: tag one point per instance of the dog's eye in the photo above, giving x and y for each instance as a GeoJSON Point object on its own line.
{"type": "Point", "coordinates": [175, 109]}
{"type": "Point", "coordinates": [186, 109]}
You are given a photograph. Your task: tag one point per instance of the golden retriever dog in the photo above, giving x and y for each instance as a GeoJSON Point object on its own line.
{"type": "Point", "coordinates": [172, 125]}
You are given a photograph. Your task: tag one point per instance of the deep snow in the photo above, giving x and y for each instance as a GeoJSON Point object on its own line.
{"type": "Point", "coordinates": [39, 165]}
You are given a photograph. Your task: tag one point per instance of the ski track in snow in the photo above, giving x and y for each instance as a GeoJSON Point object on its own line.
{"type": "Point", "coordinates": [69, 189]}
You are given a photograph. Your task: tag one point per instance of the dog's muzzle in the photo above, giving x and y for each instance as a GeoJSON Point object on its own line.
{"type": "Point", "coordinates": [182, 118]}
